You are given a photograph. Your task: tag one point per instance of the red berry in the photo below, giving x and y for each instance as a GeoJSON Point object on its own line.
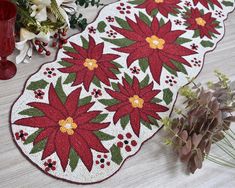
{"type": "Point", "coordinates": [48, 53]}
{"type": "Point", "coordinates": [64, 33]}
{"type": "Point", "coordinates": [37, 42]}
{"type": "Point", "coordinates": [55, 35]}
{"type": "Point", "coordinates": [60, 46]}
{"type": "Point", "coordinates": [40, 50]}
{"type": "Point", "coordinates": [64, 41]}
{"type": "Point", "coordinates": [54, 44]}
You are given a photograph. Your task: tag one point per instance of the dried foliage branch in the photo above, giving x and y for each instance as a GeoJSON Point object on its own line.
{"type": "Point", "coordinates": [205, 120]}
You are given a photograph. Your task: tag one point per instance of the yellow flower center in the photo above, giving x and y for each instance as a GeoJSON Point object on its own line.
{"type": "Point", "coordinates": [159, 1]}
{"type": "Point", "coordinates": [67, 126]}
{"type": "Point", "coordinates": [91, 64]}
{"type": "Point", "coordinates": [136, 101]}
{"type": "Point", "coordinates": [200, 21]}
{"type": "Point", "coordinates": [155, 42]}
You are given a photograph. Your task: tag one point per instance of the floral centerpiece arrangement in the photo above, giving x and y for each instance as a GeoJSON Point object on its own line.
{"type": "Point", "coordinates": [42, 24]}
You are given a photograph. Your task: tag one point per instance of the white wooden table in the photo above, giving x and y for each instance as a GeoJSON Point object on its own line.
{"type": "Point", "coordinates": [154, 166]}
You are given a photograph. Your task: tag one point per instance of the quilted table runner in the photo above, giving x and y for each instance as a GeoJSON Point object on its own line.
{"type": "Point", "coordinates": [80, 117]}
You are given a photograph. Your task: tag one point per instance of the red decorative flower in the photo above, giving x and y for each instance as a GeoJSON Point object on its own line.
{"type": "Point", "coordinates": [102, 160]}
{"type": "Point", "coordinates": [165, 7]}
{"type": "Point", "coordinates": [123, 9]}
{"type": "Point", "coordinates": [110, 19]}
{"type": "Point", "coordinates": [92, 30]}
{"type": "Point", "coordinates": [39, 94]}
{"type": "Point", "coordinates": [126, 141]}
{"type": "Point", "coordinates": [196, 62]}
{"type": "Point", "coordinates": [157, 44]}
{"type": "Point", "coordinates": [135, 70]}
{"type": "Point", "coordinates": [135, 102]}
{"type": "Point", "coordinates": [204, 23]}
{"type": "Point", "coordinates": [21, 135]}
{"type": "Point", "coordinates": [50, 72]}
{"type": "Point", "coordinates": [111, 34]}
{"type": "Point", "coordinates": [50, 165]}
{"type": "Point", "coordinates": [170, 80]}
{"type": "Point", "coordinates": [206, 3]}
{"type": "Point", "coordinates": [96, 92]}
{"type": "Point", "coordinates": [66, 126]}
{"type": "Point", "coordinates": [90, 63]}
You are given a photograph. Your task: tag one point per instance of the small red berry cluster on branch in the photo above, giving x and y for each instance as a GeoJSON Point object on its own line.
{"type": "Point", "coordinates": [59, 39]}
{"type": "Point", "coordinates": [41, 47]}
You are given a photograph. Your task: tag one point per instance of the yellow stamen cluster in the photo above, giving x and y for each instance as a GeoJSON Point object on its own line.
{"type": "Point", "coordinates": [136, 101]}
{"type": "Point", "coordinates": [200, 21]}
{"type": "Point", "coordinates": [159, 1]}
{"type": "Point", "coordinates": [67, 126]}
{"type": "Point", "coordinates": [155, 42]}
{"type": "Point", "coordinates": [91, 64]}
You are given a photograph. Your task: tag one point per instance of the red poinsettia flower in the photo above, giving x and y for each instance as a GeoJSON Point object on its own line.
{"type": "Point", "coordinates": [206, 3]}
{"type": "Point", "coordinates": [163, 6]}
{"type": "Point", "coordinates": [91, 62]}
{"type": "Point", "coordinates": [204, 23]}
{"type": "Point", "coordinates": [135, 102]}
{"type": "Point", "coordinates": [157, 44]}
{"type": "Point", "coordinates": [66, 126]}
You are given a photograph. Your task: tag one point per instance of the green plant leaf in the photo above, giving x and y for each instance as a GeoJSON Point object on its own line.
{"type": "Point", "coordinates": [207, 43]}
{"type": "Point", "coordinates": [32, 112]}
{"type": "Point", "coordinates": [38, 147]}
{"type": "Point", "coordinates": [156, 100]}
{"type": "Point", "coordinates": [41, 84]}
{"type": "Point", "coordinates": [145, 18]}
{"type": "Point", "coordinates": [104, 136]}
{"type": "Point", "coordinates": [128, 78]}
{"type": "Point", "coordinates": [69, 49]}
{"type": "Point", "coordinates": [124, 121]}
{"type": "Point", "coordinates": [146, 124]}
{"type": "Point", "coordinates": [153, 121]}
{"type": "Point", "coordinates": [99, 118]}
{"type": "Point", "coordinates": [145, 81]}
{"type": "Point", "coordinates": [123, 23]}
{"type": "Point", "coordinates": [85, 42]}
{"type": "Point", "coordinates": [115, 86]}
{"type": "Point", "coordinates": [196, 33]}
{"type": "Point", "coordinates": [117, 64]}
{"type": "Point", "coordinates": [96, 81]}
{"type": "Point", "coordinates": [227, 3]}
{"type": "Point", "coordinates": [182, 40]}
{"type": "Point", "coordinates": [101, 26]}
{"type": "Point", "coordinates": [143, 63]}
{"type": "Point", "coordinates": [84, 101]}
{"type": "Point", "coordinates": [136, 2]}
{"type": "Point", "coordinates": [116, 154]}
{"type": "Point", "coordinates": [32, 137]}
{"type": "Point", "coordinates": [167, 96]}
{"type": "Point", "coordinates": [120, 42]}
{"type": "Point", "coordinates": [73, 159]}
{"type": "Point", "coordinates": [70, 78]}
{"type": "Point", "coordinates": [179, 66]}
{"type": "Point", "coordinates": [108, 102]}
{"type": "Point", "coordinates": [65, 64]}
{"type": "Point", "coordinates": [162, 22]}
{"type": "Point", "coordinates": [59, 90]}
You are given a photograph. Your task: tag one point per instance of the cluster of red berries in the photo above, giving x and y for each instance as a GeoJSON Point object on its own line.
{"type": "Point", "coordinates": [42, 47]}
{"type": "Point", "coordinates": [58, 38]}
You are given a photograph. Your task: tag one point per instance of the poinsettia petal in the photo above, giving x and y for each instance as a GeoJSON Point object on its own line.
{"type": "Point", "coordinates": [83, 150]}
{"type": "Point", "coordinates": [134, 26]}
{"type": "Point", "coordinates": [40, 122]}
{"type": "Point", "coordinates": [155, 25]}
{"type": "Point", "coordinates": [117, 95]}
{"type": "Point", "coordinates": [86, 117]}
{"type": "Point", "coordinates": [72, 101]}
{"type": "Point", "coordinates": [155, 64]}
{"type": "Point", "coordinates": [143, 26]}
{"type": "Point", "coordinates": [146, 89]}
{"type": "Point", "coordinates": [80, 76]}
{"type": "Point", "coordinates": [79, 49]}
{"type": "Point", "coordinates": [88, 79]}
{"type": "Point", "coordinates": [128, 34]}
{"type": "Point", "coordinates": [92, 141]}
{"type": "Point", "coordinates": [74, 55]}
{"type": "Point", "coordinates": [122, 111]}
{"type": "Point", "coordinates": [62, 146]}
{"type": "Point", "coordinates": [83, 109]}
{"type": "Point", "coordinates": [94, 126]}
{"type": "Point", "coordinates": [135, 85]}
{"type": "Point", "coordinates": [150, 95]}
{"type": "Point", "coordinates": [173, 35]}
{"type": "Point", "coordinates": [100, 74]}
{"type": "Point", "coordinates": [97, 51]}
{"type": "Point", "coordinates": [55, 101]}
{"type": "Point", "coordinates": [108, 57]}
{"type": "Point", "coordinates": [48, 110]}
{"type": "Point", "coordinates": [44, 134]}
{"type": "Point", "coordinates": [72, 69]}
{"type": "Point", "coordinates": [92, 43]}
{"type": "Point", "coordinates": [166, 28]}
{"type": "Point", "coordinates": [177, 50]}
{"type": "Point", "coordinates": [135, 121]}
{"type": "Point", "coordinates": [50, 146]}
{"type": "Point", "coordinates": [155, 107]}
